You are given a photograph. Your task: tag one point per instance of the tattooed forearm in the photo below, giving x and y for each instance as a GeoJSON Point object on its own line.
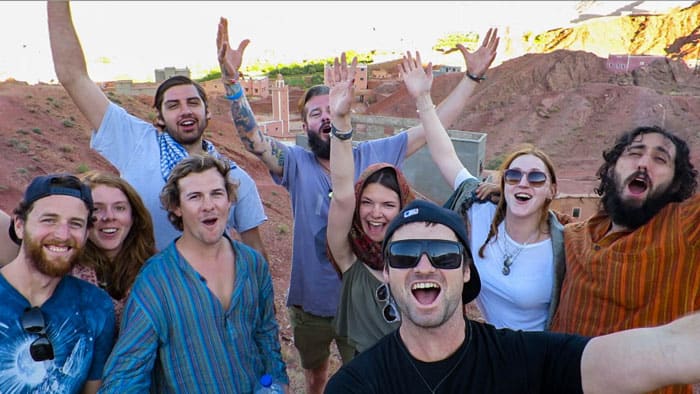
{"type": "Point", "coordinates": [278, 151]}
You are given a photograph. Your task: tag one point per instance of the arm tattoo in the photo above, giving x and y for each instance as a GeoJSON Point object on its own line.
{"type": "Point", "coordinates": [278, 151]}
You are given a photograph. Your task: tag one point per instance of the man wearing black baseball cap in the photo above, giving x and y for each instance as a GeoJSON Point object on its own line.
{"type": "Point", "coordinates": [437, 350]}
{"type": "Point", "coordinates": [57, 330]}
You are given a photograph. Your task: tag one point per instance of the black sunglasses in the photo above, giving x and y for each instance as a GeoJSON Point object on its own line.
{"type": "Point", "coordinates": [535, 178]}
{"type": "Point", "coordinates": [33, 323]}
{"type": "Point", "coordinates": [389, 311]}
{"type": "Point", "coordinates": [442, 254]}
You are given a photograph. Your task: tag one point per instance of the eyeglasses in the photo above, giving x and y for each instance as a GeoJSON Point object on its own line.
{"type": "Point", "coordinates": [33, 323]}
{"type": "Point", "coordinates": [535, 178]}
{"type": "Point", "coordinates": [407, 253]}
{"type": "Point", "coordinates": [389, 311]}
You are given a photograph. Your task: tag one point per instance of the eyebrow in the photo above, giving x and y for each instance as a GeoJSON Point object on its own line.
{"type": "Point", "coordinates": [657, 148]}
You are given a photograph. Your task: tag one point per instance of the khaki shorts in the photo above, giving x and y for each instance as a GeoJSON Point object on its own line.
{"type": "Point", "coordinates": [313, 336]}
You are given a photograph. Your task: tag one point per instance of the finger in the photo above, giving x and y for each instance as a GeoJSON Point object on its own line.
{"type": "Point", "coordinates": [419, 63]}
{"type": "Point", "coordinates": [353, 69]}
{"type": "Point", "coordinates": [242, 46]}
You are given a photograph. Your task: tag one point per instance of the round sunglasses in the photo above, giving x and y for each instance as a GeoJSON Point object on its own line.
{"type": "Point", "coordinates": [535, 178]}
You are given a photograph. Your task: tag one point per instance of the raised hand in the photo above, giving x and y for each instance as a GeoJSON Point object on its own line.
{"type": "Point", "coordinates": [230, 60]}
{"type": "Point", "coordinates": [341, 80]}
{"type": "Point", "coordinates": [417, 79]}
{"type": "Point", "coordinates": [479, 61]}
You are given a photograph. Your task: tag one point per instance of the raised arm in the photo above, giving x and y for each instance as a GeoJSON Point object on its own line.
{"type": "Point", "coordinates": [342, 208]}
{"type": "Point", "coordinates": [418, 82]}
{"type": "Point", "coordinates": [268, 149]}
{"type": "Point", "coordinates": [451, 107]}
{"type": "Point", "coordinates": [69, 63]}
{"type": "Point", "coordinates": [643, 359]}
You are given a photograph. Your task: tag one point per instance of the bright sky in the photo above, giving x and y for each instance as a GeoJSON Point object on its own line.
{"type": "Point", "coordinates": [128, 40]}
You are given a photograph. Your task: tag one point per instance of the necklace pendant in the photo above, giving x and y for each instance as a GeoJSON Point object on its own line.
{"type": "Point", "coordinates": [506, 266]}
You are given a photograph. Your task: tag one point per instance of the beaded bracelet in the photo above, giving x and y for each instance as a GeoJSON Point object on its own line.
{"type": "Point", "coordinates": [339, 134]}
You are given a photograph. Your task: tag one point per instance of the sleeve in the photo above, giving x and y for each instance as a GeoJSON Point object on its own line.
{"type": "Point", "coordinates": [130, 365]}
{"type": "Point", "coordinates": [390, 150]}
{"type": "Point", "coordinates": [104, 339]}
{"type": "Point", "coordinates": [121, 136]}
{"type": "Point", "coordinates": [248, 211]}
{"type": "Point", "coordinates": [266, 334]}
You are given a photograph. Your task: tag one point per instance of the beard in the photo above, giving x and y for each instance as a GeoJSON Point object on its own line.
{"type": "Point", "coordinates": [632, 216]}
{"type": "Point", "coordinates": [318, 146]}
{"type": "Point", "coordinates": [189, 138]}
{"type": "Point", "coordinates": [56, 267]}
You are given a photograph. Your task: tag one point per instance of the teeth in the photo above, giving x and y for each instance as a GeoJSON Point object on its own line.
{"type": "Point", "coordinates": [425, 285]}
{"type": "Point", "coordinates": [57, 249]}
{"type": "Point", "coordinates": [523, 196]}
{"type": "Point", "coordinates": [375, 224]}
{"type": "Point", "coordinates": [187, 123]}
{"type": "Point", "coordinates": [109, 230]}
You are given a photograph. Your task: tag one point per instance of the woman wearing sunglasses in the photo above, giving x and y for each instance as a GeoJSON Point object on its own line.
{"type": "Point", "coordinates": [357, 219]}
{"type": "Point", "coordinates": [518, 244]}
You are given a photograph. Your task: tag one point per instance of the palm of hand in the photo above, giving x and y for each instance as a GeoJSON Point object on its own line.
{"type": "Point", "coordinates": [417, 82]}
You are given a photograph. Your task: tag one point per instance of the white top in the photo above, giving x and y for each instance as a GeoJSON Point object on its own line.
{"type": "Point", "coordinates": [519, 300]}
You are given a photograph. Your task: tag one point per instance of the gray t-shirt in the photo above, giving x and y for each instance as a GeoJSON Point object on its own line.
{"type": "Point", "coordinates": [314, 284]}
{"type": "Point", "coordinates": [131, 145]}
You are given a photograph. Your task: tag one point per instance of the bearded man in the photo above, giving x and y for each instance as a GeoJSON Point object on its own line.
{"type": "Point", "coordinates": [634, 264]}
{"type": "Point", "coordinates": [57, 330]}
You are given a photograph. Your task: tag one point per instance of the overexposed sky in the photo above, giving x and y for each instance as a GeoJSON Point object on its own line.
{"type": "Point", "coordinates": [128, 39]}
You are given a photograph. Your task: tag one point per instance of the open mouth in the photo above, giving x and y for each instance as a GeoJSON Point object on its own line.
{"type": "Point", "coordinates": [522, 197]}
{"type": "Point", "coordinates": [58, 248]}
{"type": "Point", "coordinates": [326, 128]}
{"type": "Point", "coordinates": [425, 292]}
{"type": "Point", "coordinates": [638, 185]}
{"type": "Point", "coordinates": [108, 230]}
{"type": "Point", "coordinates": [209, 222]}
{"type": "Point", "coordinates": [187, 122]}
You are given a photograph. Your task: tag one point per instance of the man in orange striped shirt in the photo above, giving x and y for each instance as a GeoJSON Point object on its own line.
{"type": "Point", "coordinates": [634, 264]}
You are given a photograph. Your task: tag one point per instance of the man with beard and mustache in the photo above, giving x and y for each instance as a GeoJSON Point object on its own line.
{"type": "Point", "coordinates": [145, 153]}
{"type": "Point", "coordinates": [634, 264]}
{"type": "Point", "coordinates": [57, 331]}
{"type": "Point", "coordinates": [314, 289]}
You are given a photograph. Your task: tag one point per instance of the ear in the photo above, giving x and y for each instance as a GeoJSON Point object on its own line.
{"type": "Point", "coordinates": [467, 272]}
{"type": "Point", "coordinates": [159, 122]}
{"type": "Point", "coordinates": [177, 212]}
{"type": "Point", "coordinates": [552, 191]}
{"type": "Point", "coordinates": [19, 226]}
{"type": "Point", "coordinates": [385, 273]}
{"type": "Point", "coordinates": [208, 114]}
{"type": "Point", "coordinates": [304, 127]}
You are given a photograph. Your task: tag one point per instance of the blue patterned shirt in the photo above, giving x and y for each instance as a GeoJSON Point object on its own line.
{"type": "Point", "coordinates": [175, 336]}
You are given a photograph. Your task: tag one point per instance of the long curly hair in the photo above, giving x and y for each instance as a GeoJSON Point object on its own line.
{"type": "Point", "coordinates": [137, 247]}
{"type": "Point", "coordinates": [502, 207]}
{"type": "Point", "coordinates": [684, 179]}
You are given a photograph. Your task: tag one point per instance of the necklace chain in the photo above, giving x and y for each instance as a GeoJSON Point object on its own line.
{"type": "Point", "coordinates": [508, 256]}
{"type": "Point", "coordinates": [432, 390]}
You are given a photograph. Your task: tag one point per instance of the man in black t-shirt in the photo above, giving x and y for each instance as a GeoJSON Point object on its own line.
{"type": "Point", "coordinates": [437, 350]}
